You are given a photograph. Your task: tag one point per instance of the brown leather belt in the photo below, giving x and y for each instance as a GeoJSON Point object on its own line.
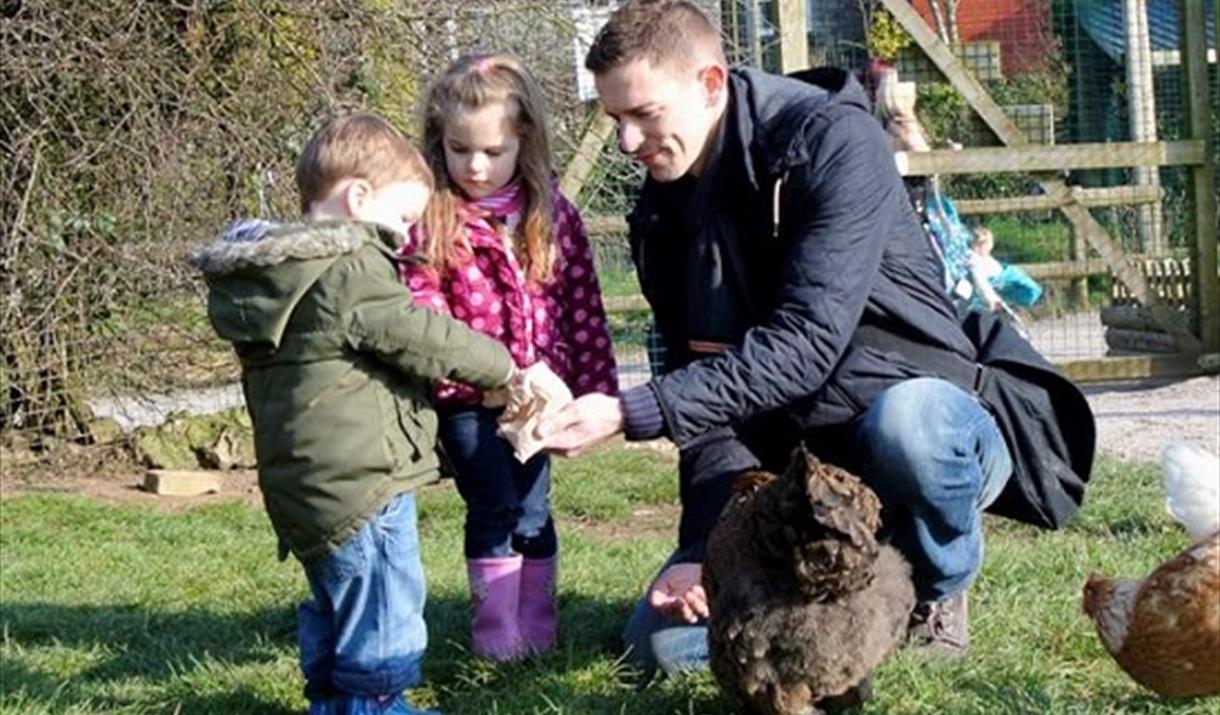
{"type": "Point", "coordinates": [707, 346]}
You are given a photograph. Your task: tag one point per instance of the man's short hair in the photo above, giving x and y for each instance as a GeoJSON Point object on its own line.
{"type": "Point", "coordinates": [357, 146]}
{"type": "Point", "coordinates": [661, 31]}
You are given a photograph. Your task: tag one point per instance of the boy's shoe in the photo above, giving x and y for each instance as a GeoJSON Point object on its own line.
{"type": "Point", "coordinates": [385, 705]}
{"type": "Point", "coordinates": [537, 613]}
{"type": "Point", "coordinates": [495, 595]}
{"type": "Point", "coordinates": [941, 627]}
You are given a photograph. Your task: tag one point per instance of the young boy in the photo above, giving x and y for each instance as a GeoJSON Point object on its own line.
{"type": "Point", "coordinates": [984, 268]}
{"type": "Point", "coordinates": [337, 365]}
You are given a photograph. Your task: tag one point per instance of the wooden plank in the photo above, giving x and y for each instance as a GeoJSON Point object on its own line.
{"type": "Point", "coordinates": [1008, 133]}
{"type": "Point", "coordinates": [182, 483]}
{"type": "Point", "coordinates": [577, 171]}
{"type": "Point", "coordinates": [1093, 198]}
{"type": "Point", "coordinates": [1037, 157]}
{"type": "Point", "coordinates": [1135, 367]}
{"type": "Point", "coordinates": [793, 36]}
{"type": "Point", "coordinates": [1202, 220]}
{"type": "Point", "coordinates": [1063, 270]}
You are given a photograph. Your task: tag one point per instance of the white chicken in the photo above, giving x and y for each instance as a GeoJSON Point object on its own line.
{"type": "Point", "coordinates": [1192, 488]}
{"type": "Point", "coordinates": [1164, 630]}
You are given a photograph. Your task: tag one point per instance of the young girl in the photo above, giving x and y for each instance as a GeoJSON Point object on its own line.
{"type": "Point", "coordinates": [500, 249]}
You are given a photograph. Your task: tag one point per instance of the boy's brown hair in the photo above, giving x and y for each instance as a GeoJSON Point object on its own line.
{"type": "Point", "coordinates": [357, 146]}
{"type": "Point", "coordinates": [661, 31]}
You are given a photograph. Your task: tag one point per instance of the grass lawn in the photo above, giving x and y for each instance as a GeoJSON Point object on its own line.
{"type": "Point", "coordinates": [138, 609]}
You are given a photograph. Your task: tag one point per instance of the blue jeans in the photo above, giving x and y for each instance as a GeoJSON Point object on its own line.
{"type": "Point", "coordinates": [362, 633]}
{"type": "Point", "coordinates": [508, 507]}
{"type": "Point", "coordinates": [936, 459]}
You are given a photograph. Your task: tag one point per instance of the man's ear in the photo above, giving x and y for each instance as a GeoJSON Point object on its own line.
{"type": "Point", "coordinates": [355, 196]}
{"type": "Point", "coordinates": [714, 79]}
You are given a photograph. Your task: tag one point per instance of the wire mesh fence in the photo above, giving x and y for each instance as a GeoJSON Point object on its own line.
{"type": "Point", "coordinates": [132, 131]}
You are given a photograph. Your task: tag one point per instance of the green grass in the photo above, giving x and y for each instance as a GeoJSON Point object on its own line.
{"type": "Point", "coordinates": [132, 609]}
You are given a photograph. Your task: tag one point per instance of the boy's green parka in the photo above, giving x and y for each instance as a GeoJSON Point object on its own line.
{"type": "Point", "coordinates": [337, 368]}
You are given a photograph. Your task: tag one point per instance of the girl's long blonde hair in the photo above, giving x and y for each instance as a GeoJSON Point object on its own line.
{"type": "Point", "coordinates": [472, 82]}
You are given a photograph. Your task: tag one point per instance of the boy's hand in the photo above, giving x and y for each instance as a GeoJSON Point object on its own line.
{"type": "Point", "coordinates": [536, 388]}
{"type": "Point", "coordinates": [495, 398]}
{"type": "Point", "coordinates": [534, 392]}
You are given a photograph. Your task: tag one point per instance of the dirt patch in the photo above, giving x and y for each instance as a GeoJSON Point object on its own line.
{"type": "Point", "coordinates": [1136, 420]}
{"type": "Point", "coordinates": [652, 521]}
{"type": "Point", "coordinates": [113, 484]}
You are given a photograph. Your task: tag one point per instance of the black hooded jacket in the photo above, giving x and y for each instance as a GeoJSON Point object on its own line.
{"type": "Point", "coordinates": [798, 233]}
{"type": "Point", "coordinates": [795, 267]}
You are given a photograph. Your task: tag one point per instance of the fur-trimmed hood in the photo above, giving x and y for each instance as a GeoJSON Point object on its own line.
{"type": "Point", "coordinates": [247, 243]}
{"type": "Point", "coordinates": [258, 271]}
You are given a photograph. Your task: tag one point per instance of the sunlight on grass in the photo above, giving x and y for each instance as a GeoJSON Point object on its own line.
{"type": "Point", "coordinates": [130, 609]}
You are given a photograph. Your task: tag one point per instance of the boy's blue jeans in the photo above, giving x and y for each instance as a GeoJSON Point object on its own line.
{"type": "Point", "coordinates": [508, 508]}
{"type": "Point", "coordinates": [362, 633]}
{"type": "Point", "coordinates": [935, 457]}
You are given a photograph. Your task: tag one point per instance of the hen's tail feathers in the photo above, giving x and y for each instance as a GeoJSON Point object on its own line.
{"type": "Point", "coordinates": [836, 518]}
{"type": "Point", "coordinates": [1192, 488]}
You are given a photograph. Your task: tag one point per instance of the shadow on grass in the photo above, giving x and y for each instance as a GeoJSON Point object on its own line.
{"type": "Point", "coordinates": [108, 657]}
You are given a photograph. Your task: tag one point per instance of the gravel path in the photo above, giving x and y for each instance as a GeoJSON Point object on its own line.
{"type": "Point", "coordinates": [1135, 420]}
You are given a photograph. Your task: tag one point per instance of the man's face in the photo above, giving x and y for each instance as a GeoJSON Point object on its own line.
{"type": "Point", "coordinates": [666, 113]}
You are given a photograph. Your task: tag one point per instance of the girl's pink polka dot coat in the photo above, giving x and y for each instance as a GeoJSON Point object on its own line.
{"type": "Point", "coordinates": [561, 322]}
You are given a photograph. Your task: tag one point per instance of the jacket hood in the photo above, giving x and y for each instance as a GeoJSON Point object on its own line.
{"type": "Point", "coordinates": [257, 271]}
{"type": "Point", "coordinates": [770, 112]}
{"type": "Point", "coordinates": [251, 243]}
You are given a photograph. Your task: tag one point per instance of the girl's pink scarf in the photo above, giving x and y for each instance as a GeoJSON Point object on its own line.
{"type": "Point", "coordinates": [508, 201]}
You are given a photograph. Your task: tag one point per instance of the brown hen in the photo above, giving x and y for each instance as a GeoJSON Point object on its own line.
{"type": "Point", "coordinates": [804, 602]}
{"type": "Point", "coordinates": [1164, 631]}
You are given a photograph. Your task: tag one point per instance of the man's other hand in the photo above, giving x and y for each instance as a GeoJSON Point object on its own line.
{"type": "Point", "coordinates": [678, 593]}
{"type": "Point", "coordinates": [582, 424]}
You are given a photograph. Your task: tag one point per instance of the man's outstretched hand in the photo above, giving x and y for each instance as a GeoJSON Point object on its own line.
{"type": "Point", "coordinates": [678, 593]}
{"type": "Point", "coordinates": [582, 424]}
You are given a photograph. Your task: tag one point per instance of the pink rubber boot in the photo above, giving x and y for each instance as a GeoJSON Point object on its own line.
{"type": "Point", "coordinates": [495, 589]}
{"type": "Point", "coordinates": [537, 612]}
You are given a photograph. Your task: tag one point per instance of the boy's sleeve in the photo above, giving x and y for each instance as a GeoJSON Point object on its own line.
{"type": "Point", "coordinates": [583, 320]}
{"type": "Point", "coordinates": [381, 317]}
{"type": "Point", "coordinates": [427, 287]}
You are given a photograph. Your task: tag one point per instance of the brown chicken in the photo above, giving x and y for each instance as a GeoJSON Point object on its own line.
{"type": "Point", "coordinates": [804, 602]}
{"type": "Point", "coordinates": [1164, 631]}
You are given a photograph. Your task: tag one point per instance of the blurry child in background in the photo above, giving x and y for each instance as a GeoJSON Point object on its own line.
{"type": "Point", "coordinates": [997, 284]}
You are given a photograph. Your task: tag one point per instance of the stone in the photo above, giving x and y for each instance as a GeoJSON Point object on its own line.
{"type": "Point", "coordinates": [189, 442]}
{"type": "Point", "coordinates": [181, 483]}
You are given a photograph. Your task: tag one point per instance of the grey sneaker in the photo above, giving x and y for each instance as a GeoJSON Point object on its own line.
{"type": "Point", "coordinates": [941, 627]}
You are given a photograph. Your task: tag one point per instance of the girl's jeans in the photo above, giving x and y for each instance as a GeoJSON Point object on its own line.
{"type": "Point", "coordinates": [508, 507]}
{"type": "Point", "coordinates": [935, 457]}
{"type": "Point", "coordinates": [362, 633]}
